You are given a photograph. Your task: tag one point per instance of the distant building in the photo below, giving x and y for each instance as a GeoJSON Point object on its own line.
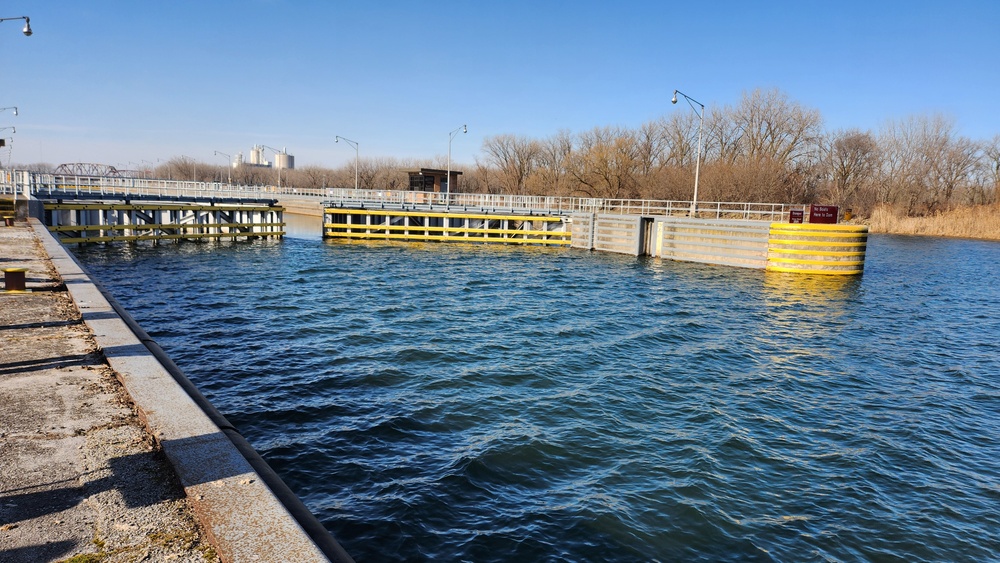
{"type": "Point", "coordinates": [433, 180]}
{"type": "Point", "coordinates": [257, 156]}
{"type": "Point", "coordinates": [282, 160]}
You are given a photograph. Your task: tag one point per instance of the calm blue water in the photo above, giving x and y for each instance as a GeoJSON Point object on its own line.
{"type": "Point", "coordinates": [507, 404]}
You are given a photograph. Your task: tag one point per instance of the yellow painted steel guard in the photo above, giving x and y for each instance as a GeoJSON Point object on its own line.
{"type": "Point", "coordinates": [427, 233]}
{"type": "Point", "coordinates": [817, 249]}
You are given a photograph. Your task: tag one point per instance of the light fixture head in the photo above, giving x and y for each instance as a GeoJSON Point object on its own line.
{"type": "Point", "coordinates": [27, 27]}
{"type": "Point", "coordinates": [15, 112]}
{"type": "Point", "coordinates": [674, 99]}
{"type": "Point", "coordinates": [336, 140]}
{"type": "Point", "coordinates": [465, 129]}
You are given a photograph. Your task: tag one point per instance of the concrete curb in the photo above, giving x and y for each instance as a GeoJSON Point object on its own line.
{"type": "Point", "coordinates": [243, 517]}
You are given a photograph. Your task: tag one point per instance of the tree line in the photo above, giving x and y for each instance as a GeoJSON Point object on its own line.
{"type": "Point", "coordinates": [764, 148]}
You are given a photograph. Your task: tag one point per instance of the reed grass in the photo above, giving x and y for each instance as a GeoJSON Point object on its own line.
{"type": "Point", "coordinates": [978, 222]}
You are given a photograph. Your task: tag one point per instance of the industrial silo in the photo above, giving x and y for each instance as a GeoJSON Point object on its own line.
{"type": "Point", "coordinates": [283, 160]}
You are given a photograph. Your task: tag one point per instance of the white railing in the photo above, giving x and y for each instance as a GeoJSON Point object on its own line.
{"type": "Point", "coordinates": [11, 182]}
{"type": "Point", "coordinates": [48, 185]}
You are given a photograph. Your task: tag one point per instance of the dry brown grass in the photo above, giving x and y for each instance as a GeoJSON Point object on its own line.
{"type": "Point", "coordinates": [979, 222]}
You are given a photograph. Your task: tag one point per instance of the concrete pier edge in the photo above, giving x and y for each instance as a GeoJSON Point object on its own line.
{"type": "Point", "coordinates": [245, 508]}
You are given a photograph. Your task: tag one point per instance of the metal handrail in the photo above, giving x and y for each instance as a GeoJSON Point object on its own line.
{"type": "Point", "coordinates": [47, 185]}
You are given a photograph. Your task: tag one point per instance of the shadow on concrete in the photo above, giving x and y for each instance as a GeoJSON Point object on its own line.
{"type": "Point", "coordinates": [51, 287]}
{"type": "Point", "coordinates": [141, 479]}
{"type": "Point", "coordinates": [45, 324]}
{"type": "Point", "coordinates": [49, 551]}
{"type": "Point", "coordinates": [11, 368]}
{"type": "Point", "coordinates": [96, 316]}
{"type": "Point", "coordinates": [126, 351]}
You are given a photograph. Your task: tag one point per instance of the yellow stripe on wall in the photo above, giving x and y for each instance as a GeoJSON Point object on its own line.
{"type": "Point", "coordinates": [817, 249]}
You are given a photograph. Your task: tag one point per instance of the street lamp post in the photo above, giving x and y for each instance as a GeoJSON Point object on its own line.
{"type": "Point", "coordinates": [697, 163]}
{"type": "Point", "coordinates": [356, 154]}
{"type": "Point", "coordinates": [229, 166]}
{"type": "Point", "coordinates": [3, 142]}
{"type": "Point", "coordinates": [451, 135]}
{"type": "Point", "coordinates": [27, 24]}
{"type": "Point", "coordinates": [194, 168]}
{"type": "Point", "coordinates": [278, 168]}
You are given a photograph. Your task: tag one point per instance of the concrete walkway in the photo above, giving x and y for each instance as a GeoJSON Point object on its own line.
{"type": "Point", "coordinates": [78, 472]}
{"type": "Point", "coordinates": [103, 452]}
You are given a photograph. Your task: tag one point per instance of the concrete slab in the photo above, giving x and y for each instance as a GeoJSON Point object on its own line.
{"type": "Point", "coordinates": [239, 513]}
{"type": "Point", "coordinates": [78, 473]}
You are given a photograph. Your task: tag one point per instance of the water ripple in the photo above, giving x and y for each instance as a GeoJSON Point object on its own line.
{"type": "Point", "coordinates": [497, 404]}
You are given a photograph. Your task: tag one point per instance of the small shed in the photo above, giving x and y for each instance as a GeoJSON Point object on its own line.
{"type": "Point", "coordinates": [433, 180]}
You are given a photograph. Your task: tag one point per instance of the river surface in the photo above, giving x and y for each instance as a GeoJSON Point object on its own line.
{"type": "Point", "coordinates": [471, 403]}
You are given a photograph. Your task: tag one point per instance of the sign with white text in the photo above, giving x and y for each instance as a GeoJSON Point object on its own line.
{"type": "Point", "coordinates": [823, 213]}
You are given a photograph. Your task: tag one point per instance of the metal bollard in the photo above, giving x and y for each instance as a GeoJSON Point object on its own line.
{"type": "Point", "coordinates": [14, 279]}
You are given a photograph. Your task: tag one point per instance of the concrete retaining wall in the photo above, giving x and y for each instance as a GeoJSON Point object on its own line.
{"type": "Point", "coordinates": [242, 516]}
{"type": "Point", "coordinates": [711, 241]}
{"type": "Point", "coordinates": [618, 233]}
{"type": "Point", "coordinates": [582, 230]}
{"type": "Point", "coordinates": [778, 247]}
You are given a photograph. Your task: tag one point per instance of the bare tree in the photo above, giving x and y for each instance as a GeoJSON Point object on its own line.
{"type": "Point", "coordinates": [552, 163]}
{"type": "Point", "coordinates": [680, 138]}
{"type": "Point", "coordinates": [178, 168]}
{"type": "Point", "coordinates": [606, 163]}
{"type": "Point", "coordinates": [775, 128]}
{"type": "Point", "coordinates": [368, 170]}
{"type": "Point", "coordinates": [926, 164]}
{"type": "Point", "coordinates": [852, 162]}
{"type": "Point", "coordinates": [390, 173]}
{"type": "Point", "coordinates": [514, 158]}
{"type": "Point", "coordinates": [248, 175]}
{"type": "Point", "coordinates": [984, 189]}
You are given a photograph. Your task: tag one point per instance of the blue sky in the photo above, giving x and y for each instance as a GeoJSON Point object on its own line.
{"type": "Point", "coordinates": [116, 82]}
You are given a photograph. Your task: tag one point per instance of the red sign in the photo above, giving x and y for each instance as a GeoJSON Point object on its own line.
{"type": "Point", "coordinates": [795, 215]}
{"type": "Point", "coordinates": [823, 213]}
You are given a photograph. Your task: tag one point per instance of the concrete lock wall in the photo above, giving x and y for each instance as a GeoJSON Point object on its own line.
{"type": "Point", "coordinates": [724, 242]}
{"type": "Point", "coordinates": [778, 247]}
{"type": "Point", "coordinates": [582, 230]}
{"type": "Point", "coordinates": [619, 233]}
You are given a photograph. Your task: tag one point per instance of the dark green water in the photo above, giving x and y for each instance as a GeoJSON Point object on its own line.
{"type": "Point", "coordinates": [505, 404]}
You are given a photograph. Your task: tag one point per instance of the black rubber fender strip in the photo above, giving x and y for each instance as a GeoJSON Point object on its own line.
{"type": "Point", "coordinates": [302, 515]}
